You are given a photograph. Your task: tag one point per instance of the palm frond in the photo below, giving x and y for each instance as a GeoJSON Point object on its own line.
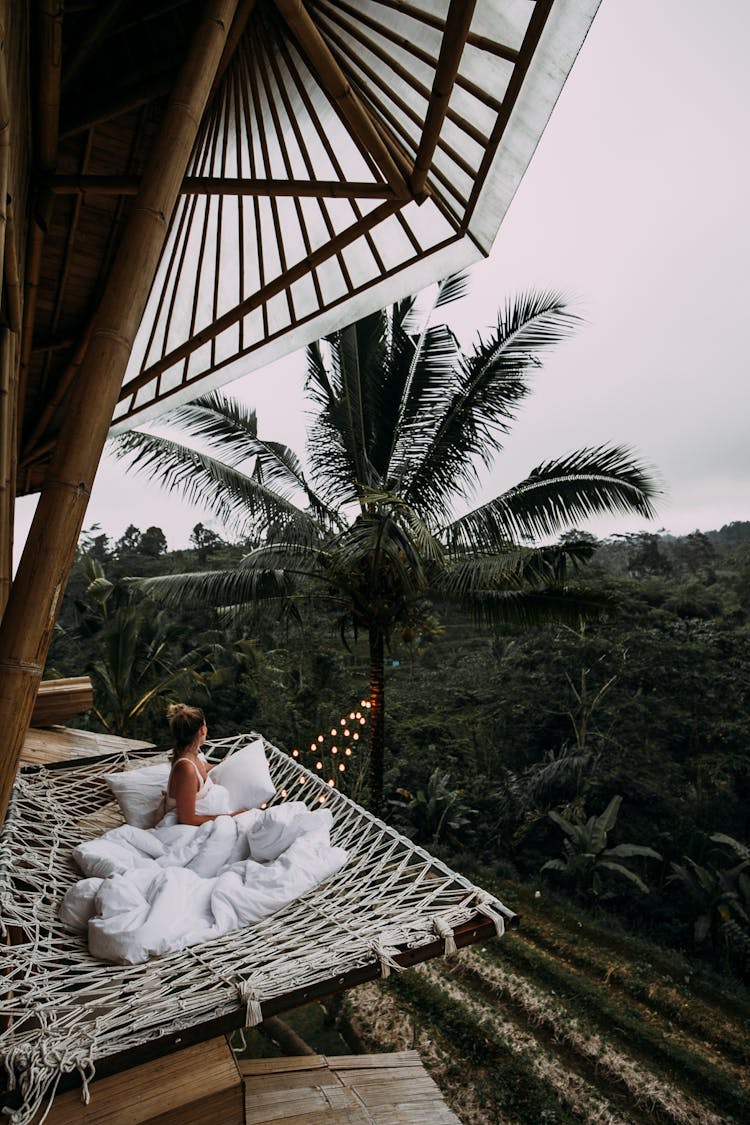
{"type": "Point", "coordinates": [237, 500]}
{"type": "Point", "coordinates": [240, 587]}
{"type": "Point", "coordinates": [557, 495]}
{"type": "Point", "coordinates": [491, 382]}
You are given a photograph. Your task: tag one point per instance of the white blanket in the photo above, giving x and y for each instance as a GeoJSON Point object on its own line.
{"type": "Point", "coordinates": [154, 891]}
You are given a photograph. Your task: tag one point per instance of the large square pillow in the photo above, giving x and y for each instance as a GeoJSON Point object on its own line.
{"type": "Point", "coordinates": [246, 776]}
{"type": "Point", "coordinates": [139, 793]}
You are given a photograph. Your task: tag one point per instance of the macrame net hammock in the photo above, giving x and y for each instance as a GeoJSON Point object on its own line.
{"type": "Point", "coordinates": [62, 1011]}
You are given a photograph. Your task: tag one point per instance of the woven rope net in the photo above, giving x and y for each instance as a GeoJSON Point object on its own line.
{"type": "Point", "coordinates": [61, 1010]}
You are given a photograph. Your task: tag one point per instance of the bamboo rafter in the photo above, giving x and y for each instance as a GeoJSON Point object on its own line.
{"type": "Point", "coordinates": [335, 82]}
{"type": "Point", "coordinates": [216, 185]}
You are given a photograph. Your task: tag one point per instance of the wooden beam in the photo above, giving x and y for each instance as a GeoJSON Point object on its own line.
{"type": "Point", "coordinates": [59, 700]}
{"type": "Point", "coordinates": [218, 185]}
{"type": "Point", "coordinates": [50, 73]}
{"type": "Point", "coordinates": [338, 88]}
{"type": "Point", "coordinates": [37, 591]}
{"type": "Point", "coordinates": [457, 24]}
{"type": "Point", "coordinates": [8, 429]}
{"type": "Point", "coordinates": [237, 30]}
{"type": "Point", "coordinates": [10, 270]}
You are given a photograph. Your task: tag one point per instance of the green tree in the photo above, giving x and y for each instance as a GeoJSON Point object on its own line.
{"type": "Point", "coordinates": [205, 541]}
{"type": "Point", "coordinates": [404, 422]}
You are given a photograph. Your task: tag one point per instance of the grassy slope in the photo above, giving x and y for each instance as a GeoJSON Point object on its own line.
{"type": "Point", "coordinates": [568, 1021]}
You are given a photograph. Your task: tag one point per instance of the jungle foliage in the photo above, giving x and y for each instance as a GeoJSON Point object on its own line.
{"type": "Point", "coordinates": [495, 739]}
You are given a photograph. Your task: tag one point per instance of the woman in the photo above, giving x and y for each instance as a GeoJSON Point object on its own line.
{"type": "Point", "coordinates": [189, 782]}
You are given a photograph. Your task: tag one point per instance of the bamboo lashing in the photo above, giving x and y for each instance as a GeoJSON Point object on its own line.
{"type": "Point", "coordinates": [35, 596]}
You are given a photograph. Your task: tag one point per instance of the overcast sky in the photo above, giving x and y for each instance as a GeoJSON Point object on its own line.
{"type": "Point", "coordinates": [635, 207]}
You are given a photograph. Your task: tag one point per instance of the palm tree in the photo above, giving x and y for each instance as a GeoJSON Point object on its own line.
{"type": "Point", "coordinates": [404, 421]}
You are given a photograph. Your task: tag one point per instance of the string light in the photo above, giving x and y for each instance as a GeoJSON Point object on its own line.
{"type": "Point", "coordinates": [283, 793]}
{"type": "Point", "coordinates": [333, 750]}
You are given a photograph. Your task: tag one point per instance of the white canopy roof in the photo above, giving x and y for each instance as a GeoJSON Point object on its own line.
{"type": "Point", "coordinates": [354, 152]}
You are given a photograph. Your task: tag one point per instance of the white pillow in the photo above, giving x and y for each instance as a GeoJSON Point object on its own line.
{"type": "Point", "coordinates": [246, 775]}
{"type": "Point", "coordinates": [140, 793]}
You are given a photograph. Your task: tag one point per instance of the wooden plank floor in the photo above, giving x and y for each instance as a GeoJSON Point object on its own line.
{"type": "Point", "coordinates": [57, 744]}
{"type": "Point", "coordinates": [392, 1089]}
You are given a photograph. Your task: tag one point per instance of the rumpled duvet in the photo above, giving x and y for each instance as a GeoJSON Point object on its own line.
{"type": "Point", "coordinates": [149, 892]}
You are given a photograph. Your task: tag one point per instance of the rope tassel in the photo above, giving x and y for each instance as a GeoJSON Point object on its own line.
{"type": "Point", "coordinates": [386, 959]}
{"type": "Point", "coordinates": [485, 905]}
{"type": "Point", "coordinates": [251, 999]}
{"type": "Point", "coordinates": [444, 930]}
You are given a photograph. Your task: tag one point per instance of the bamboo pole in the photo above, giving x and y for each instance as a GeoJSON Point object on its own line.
{"type": "Point", "coordinates": [223, 185]}
{"type": "Point", "coordinates": [48, 108]}
{"type": "Point", "coordinates": [335, 83]}
{"type": "Point", "coordinates": [37, 591]}
{"type": "Point", "coordinates": [457, 24]}
{"type": "Point", "coordinates": [10, 269]}
{"type": "Point", "coordinates": [7, 464]}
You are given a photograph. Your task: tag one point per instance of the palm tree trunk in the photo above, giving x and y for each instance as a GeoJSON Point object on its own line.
{"type": "Point", "coordinates": [377, 720]}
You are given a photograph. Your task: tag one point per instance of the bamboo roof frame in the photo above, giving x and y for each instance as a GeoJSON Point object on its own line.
{"type": "Point", "coordinates": [340, 156]}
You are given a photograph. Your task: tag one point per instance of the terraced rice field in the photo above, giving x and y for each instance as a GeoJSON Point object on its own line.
{"type": "Point", "coordinates": [568, 1021]}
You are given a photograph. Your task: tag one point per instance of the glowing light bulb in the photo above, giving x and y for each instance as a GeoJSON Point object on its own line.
{"type": "Point", "coordinates": [342, 722]}
{"type": "Point", "coordinates": [283, 792]}
{"type": "Point", "coordinates": [363, 702]}
{"type": "Point", "coordinates": [264, 805]}
{"type": "Point", "coordinates": [319, 765]}
{"type": "Point", "coordinates": [358, 715]}
{"type": "Point", "coordinates": [313, 746]}
{"type": "Point", "coordinates": [301, 779]}
{"type": "Point", "coordinates": [295, 753]}
{"type": "Point", "coordinates": [321, 800]}
{"type": "Point", "coordinates": [355, 736]}
{"type": "Point", "coordinates": [330, 781]}
{"type": "Point", "coordinates": [334, 749]}
{"type": "Point", "coordinates": [361, 722]}
{"type": "Point", "coordinates": [347, 732]}
{"type": "Point", "coordinates": [348, 751]}
{"type": "Point", "coordinates": [342, 767]}
{"type": "Point", "coordinates": [352, 715]}
{"type": "Point", "coordinates": [334, 732]}
{"type": "Point", "coordinates": [320, 738]}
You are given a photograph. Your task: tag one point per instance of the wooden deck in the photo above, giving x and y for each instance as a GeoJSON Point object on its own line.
{"type": "Point", "coordinates": [203, 1085]}
{"type": "Point", "coordinates": [392, 1089]}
